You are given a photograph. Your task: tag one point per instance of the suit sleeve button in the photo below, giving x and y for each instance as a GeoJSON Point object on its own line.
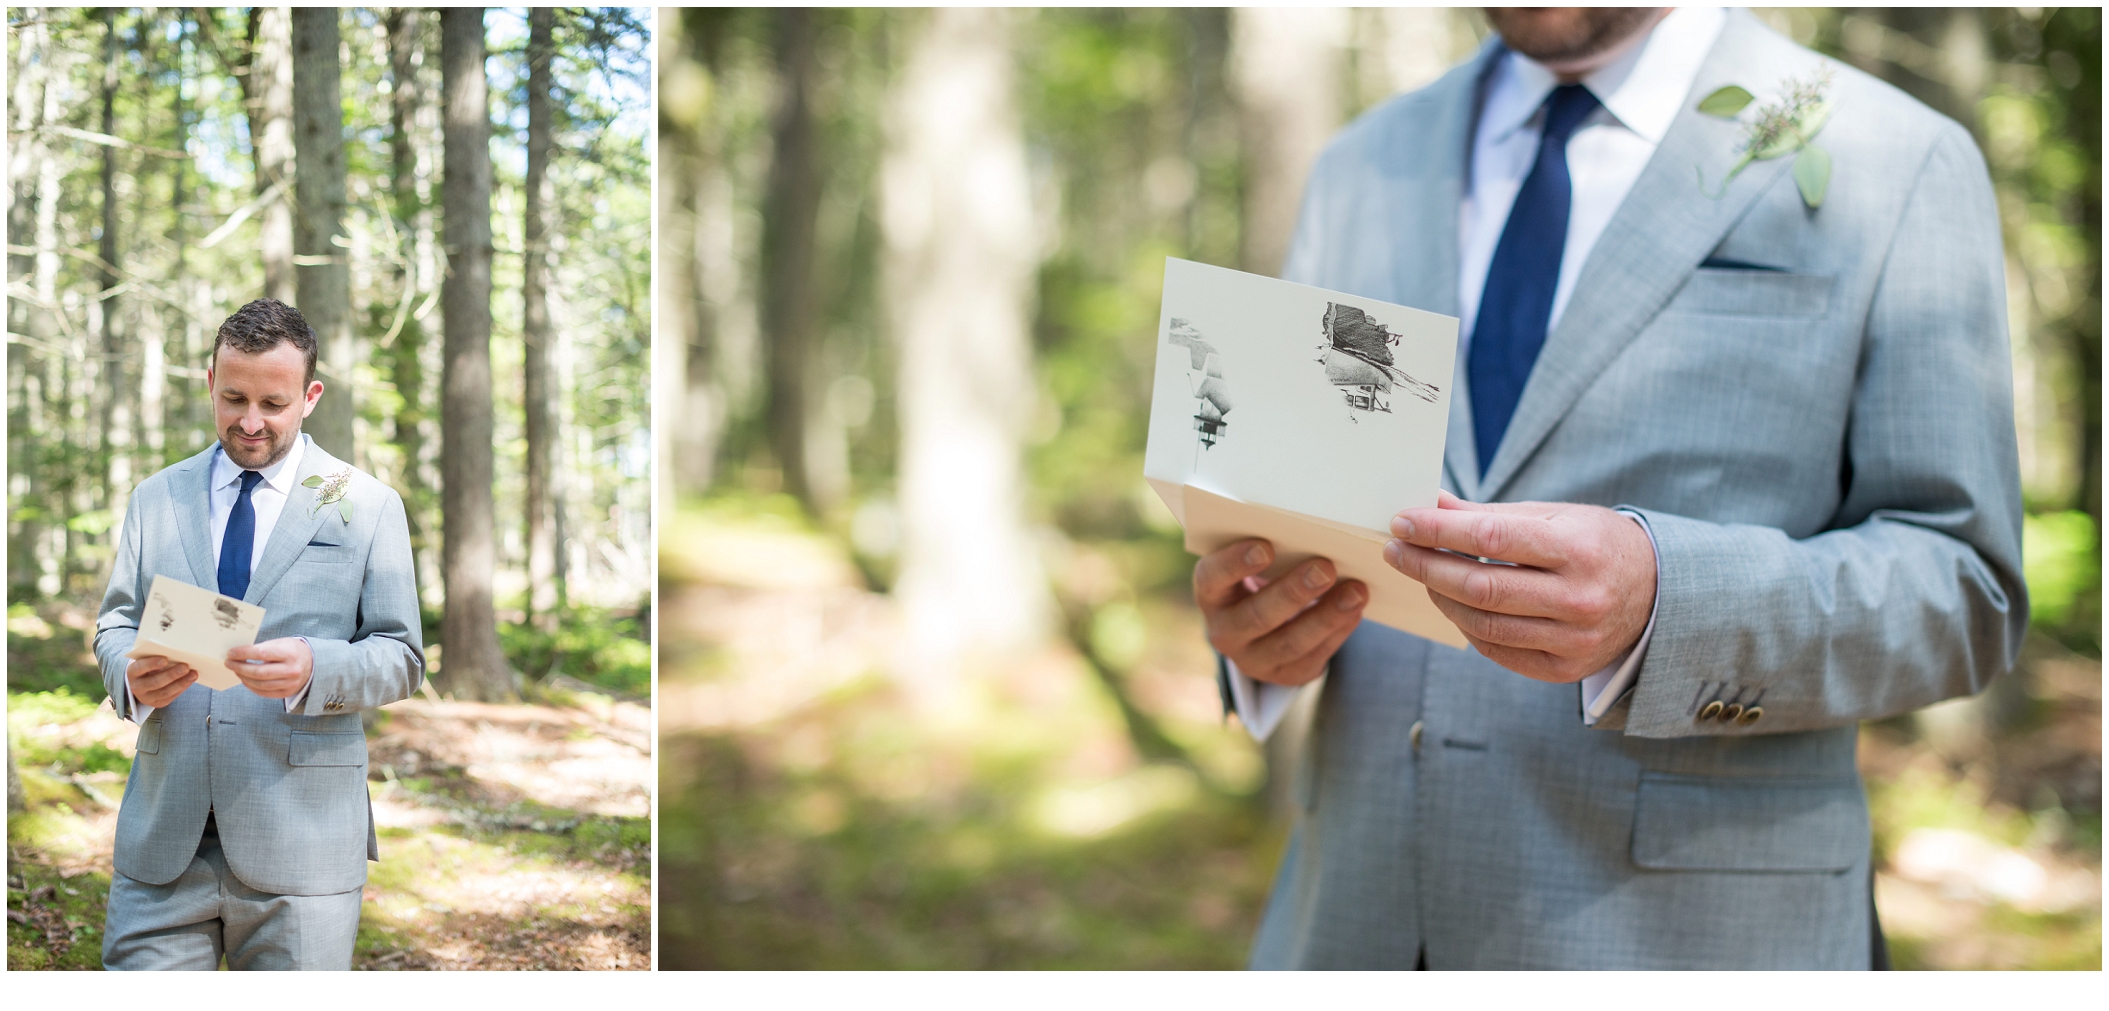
{"type": "Point", "coordinates": [1751, 715]}
{"type": "Point", "coordinates": [1729, 714]}
{"type": "Point", "coordinates": [1712, 710]}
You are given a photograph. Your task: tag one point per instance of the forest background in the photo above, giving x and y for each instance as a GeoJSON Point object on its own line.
{"type": "Point", "coordinates": [932, 687]}
{"type": "Point", "coordinates": [459, 203]}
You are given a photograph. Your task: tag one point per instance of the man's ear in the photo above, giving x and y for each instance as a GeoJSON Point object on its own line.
{"type": "Point", "coordinates": [314, 397]}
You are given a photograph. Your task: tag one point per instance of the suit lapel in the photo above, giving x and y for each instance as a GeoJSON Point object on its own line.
{"type": "Point", "coordinates": [1658, 236]}
{"type": "Point", "coordinates": [296, 523]}
{"type": "Point", "coordinates": [191, 486]}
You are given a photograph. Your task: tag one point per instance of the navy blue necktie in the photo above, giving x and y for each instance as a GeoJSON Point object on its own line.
{"type": "Point", "coordinates": [1515, 306]}
{"type": "Point", "coordinates": [239, 541]}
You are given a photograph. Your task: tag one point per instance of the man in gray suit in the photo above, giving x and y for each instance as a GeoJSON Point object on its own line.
{"type": "Point", "coordinates": [245, 828]}
{"type": "Point", "coordinates": [1747, 451]}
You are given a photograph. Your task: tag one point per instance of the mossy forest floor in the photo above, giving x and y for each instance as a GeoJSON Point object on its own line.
{"type": "Point", "coordinates": [512, 836]}
{"type": "Point", "coordinates": [819, 812]}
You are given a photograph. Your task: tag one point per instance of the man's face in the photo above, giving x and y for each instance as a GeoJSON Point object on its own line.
{"type": "Point", "coordinates": [259, 401]}
{"type": "Point", "coordinates": [1570, 39]}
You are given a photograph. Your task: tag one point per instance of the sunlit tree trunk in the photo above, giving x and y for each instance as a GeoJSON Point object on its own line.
{"type": "Point", "coordinates": [1286, 69]}
{"type": "Point", "coordinates": [474, 666]}
{"type": "Point", "coordinates": [26, 411]}
{"type": "Point", "coordinates": [789, 297]}
{"type": "Point", "coordinates": [960, 261]}
{"type": "Point", "coordinates": [405, 353]}
{"type": "Point", "coordinates": [539, 398]}
{"type": "Point", "coordinates": [268, 87]}
{"type": "Point", "coordinates": [322, 267]}
{"type": "Point", "coordinates": [111, 380]}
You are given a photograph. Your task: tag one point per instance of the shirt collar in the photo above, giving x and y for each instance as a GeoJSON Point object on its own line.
{"type": "Point", "coordinates": [279, 475]}
{"type": "Point", "coordinates": [1642, 89]}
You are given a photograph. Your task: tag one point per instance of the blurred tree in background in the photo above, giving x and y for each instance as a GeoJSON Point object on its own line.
{"type": "Point", "coordinates": [1082, 803]}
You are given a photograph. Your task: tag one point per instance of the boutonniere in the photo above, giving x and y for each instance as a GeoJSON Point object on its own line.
{"type": "Point", "coordinates": [1785, 125]}
{"type": "Point", "coordinates": [333, 488]}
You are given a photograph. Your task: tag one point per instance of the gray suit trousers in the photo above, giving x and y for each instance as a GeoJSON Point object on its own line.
{"type": "Point", "coordinates": [207, 912]}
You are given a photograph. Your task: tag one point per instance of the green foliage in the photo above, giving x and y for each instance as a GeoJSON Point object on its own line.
{"type": "Point", "coordinates": [1725, 102]}
{"type": "Point", "coordinates": [593, 645]}
{"type": "Point", "coordinates": [46, 656]}
{"type": "Point", "coordinates": [2062, 557]}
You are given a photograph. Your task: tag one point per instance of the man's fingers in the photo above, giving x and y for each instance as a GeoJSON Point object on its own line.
{"type": "Point", "coordinates": [1336, 614]}
{"type": "Point", "coordinates": [1282, 600]}
{"type": "Point", "coordinates": [1525, 540]}
{"type": "Point", "coordinates": [1218, 573]}
{"type": "Point", "coordinates": [269, 652]}
{"type": "Point", "coordinates": [1542, 634]}
{"type": "Point", "coordinates": [1508, 589]}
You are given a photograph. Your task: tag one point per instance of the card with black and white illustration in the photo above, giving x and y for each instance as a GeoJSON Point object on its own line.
{"type": "Point", "coordinates": [1302, 415]}
{"type": "Point", "coordinates": [195, 626]}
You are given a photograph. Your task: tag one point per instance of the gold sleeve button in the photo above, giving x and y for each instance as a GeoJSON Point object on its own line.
{"type": "Point", "coordinates": [1751, 715]}
{"type": "Point", "coordinates": [1712, 710]}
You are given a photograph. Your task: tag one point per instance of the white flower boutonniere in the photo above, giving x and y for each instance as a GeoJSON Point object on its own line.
{"type": "Point", "coordinates": [1786, 125]}
{"type": "Point", "coordinates": [333, 488]}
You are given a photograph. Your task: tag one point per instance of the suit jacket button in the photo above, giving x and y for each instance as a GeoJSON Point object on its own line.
{"type": "Point", "coordinates": [1712, 710]}
{"type": "Point", "coordinates": [1751, 715]}
{"type": "Point", "coordinates": [1729, 714]}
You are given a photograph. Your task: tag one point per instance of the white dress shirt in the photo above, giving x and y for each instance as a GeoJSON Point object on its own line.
{"type": "Point", "coordinates": [1640, 94]}
{"type": "Point", "coordinates": [268, 498]}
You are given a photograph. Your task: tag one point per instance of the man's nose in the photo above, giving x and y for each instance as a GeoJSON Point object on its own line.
{"type": "Point", "coordinates": [252, 422]}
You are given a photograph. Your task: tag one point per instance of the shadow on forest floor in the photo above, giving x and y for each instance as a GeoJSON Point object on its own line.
{"type": "Point", "coordinates": [815, 815]}
{"type": "Point", "coordinates": [512, 837]}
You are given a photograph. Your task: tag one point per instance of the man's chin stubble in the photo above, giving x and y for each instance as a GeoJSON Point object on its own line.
{"type": "Point", "coordinates": [279, 450]}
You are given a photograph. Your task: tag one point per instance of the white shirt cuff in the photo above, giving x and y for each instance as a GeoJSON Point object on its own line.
{"type": "Point", "coordinates": [1602, 690]}
{"type": "Point", "coordinates": [1259, 704]}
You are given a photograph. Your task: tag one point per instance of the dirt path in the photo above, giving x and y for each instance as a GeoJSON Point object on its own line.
{"type": "Point", "coordinates": [512, 837]}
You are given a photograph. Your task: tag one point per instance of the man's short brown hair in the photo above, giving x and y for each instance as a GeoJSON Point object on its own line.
{"type": "Point", "coordinates": [265, 324]}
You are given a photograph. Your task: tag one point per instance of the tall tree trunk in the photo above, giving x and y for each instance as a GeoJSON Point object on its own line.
{"type": "Point", "coordinates": [26, 411]}
{"type": "Point", "coordinates": [474, 665]}
{"type": "Point", "coordinates": [322, 267]}
{"type": "Point", "coordinates": [268, 88]}
{"type": "Point", "coordinates": [788, 222]}
{"type": "Point", "coordinates": [1285, 64]}
{"type": "Point", "coordinates": [536, 332]}
{"type": "Point", "coordinates": [406, 362]}
{"type": "Point", "coordinates": [959, 232]}
{"type": "Point", "coordinates": [116, 401]}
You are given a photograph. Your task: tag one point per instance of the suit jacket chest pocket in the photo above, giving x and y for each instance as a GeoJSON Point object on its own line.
{"type": "Point", "coordinates": [1774, 294]}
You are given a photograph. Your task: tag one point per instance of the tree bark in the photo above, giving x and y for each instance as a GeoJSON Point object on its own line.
{"type": "Point", "coordinates": [544, 592]}
{"type": "Point", "coordinates": [323, 268]}
{"type": "Point", "coordinates": [116, 405]}
{"type": "Point", "coordinates": [788, 222]}
{"type": "Point", "coordinates": [268, 88]}
{"type": "Point", "coordinates": [406, 361]}
{"type": "Point", "coordinates": [1285, 65]}
{"type": "Point", "coordinates": [474, 664]}
{"type": "Point", "coordinates": [960, 269]}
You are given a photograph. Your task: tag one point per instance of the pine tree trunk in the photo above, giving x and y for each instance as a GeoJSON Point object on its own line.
{"type": "Point", "coordinates": [474, 666]}
{"type": "Point", "coordinates": [111, 384]}
{"type": "Point", "coordinates": [406, 352]}
{"type": "Point", "coordinates": [268, 87]}
{"type": "Point", "coordinates": [536, 332]}
{"type": "Point", "coordinates": [322, 268]}
{"type": "Point", "coordinates": [788, 300]}
{"type": "Point", "coordinates": [960, 265]}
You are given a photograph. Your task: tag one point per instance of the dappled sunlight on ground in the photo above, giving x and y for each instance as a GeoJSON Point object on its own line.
{"type": "Point", "coordinates": [814, 813]}
{"type": "Point", "coordinates": [512, 837]}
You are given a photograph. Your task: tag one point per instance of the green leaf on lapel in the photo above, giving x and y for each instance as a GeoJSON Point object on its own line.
{"type": "Point", "coordinates": [312, 482]}
{"type": "Point", "coordinates": [1812, 174]}
{"type": "Point", "coordinates": [344, 509]}
{"type": "Point", "coordinates": [1726, 102]}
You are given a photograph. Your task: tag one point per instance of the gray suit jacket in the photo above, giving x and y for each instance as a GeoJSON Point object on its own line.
{"type": "Point", "coordinates": [287, 790]}
{"type": "Point", "coordinates": [1825, 453]}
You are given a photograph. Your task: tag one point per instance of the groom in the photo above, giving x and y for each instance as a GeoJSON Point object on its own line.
{"type": "Point", "coordinates": [245, 828]}
{"type": "Point", "coordinates": [1748, 444]}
